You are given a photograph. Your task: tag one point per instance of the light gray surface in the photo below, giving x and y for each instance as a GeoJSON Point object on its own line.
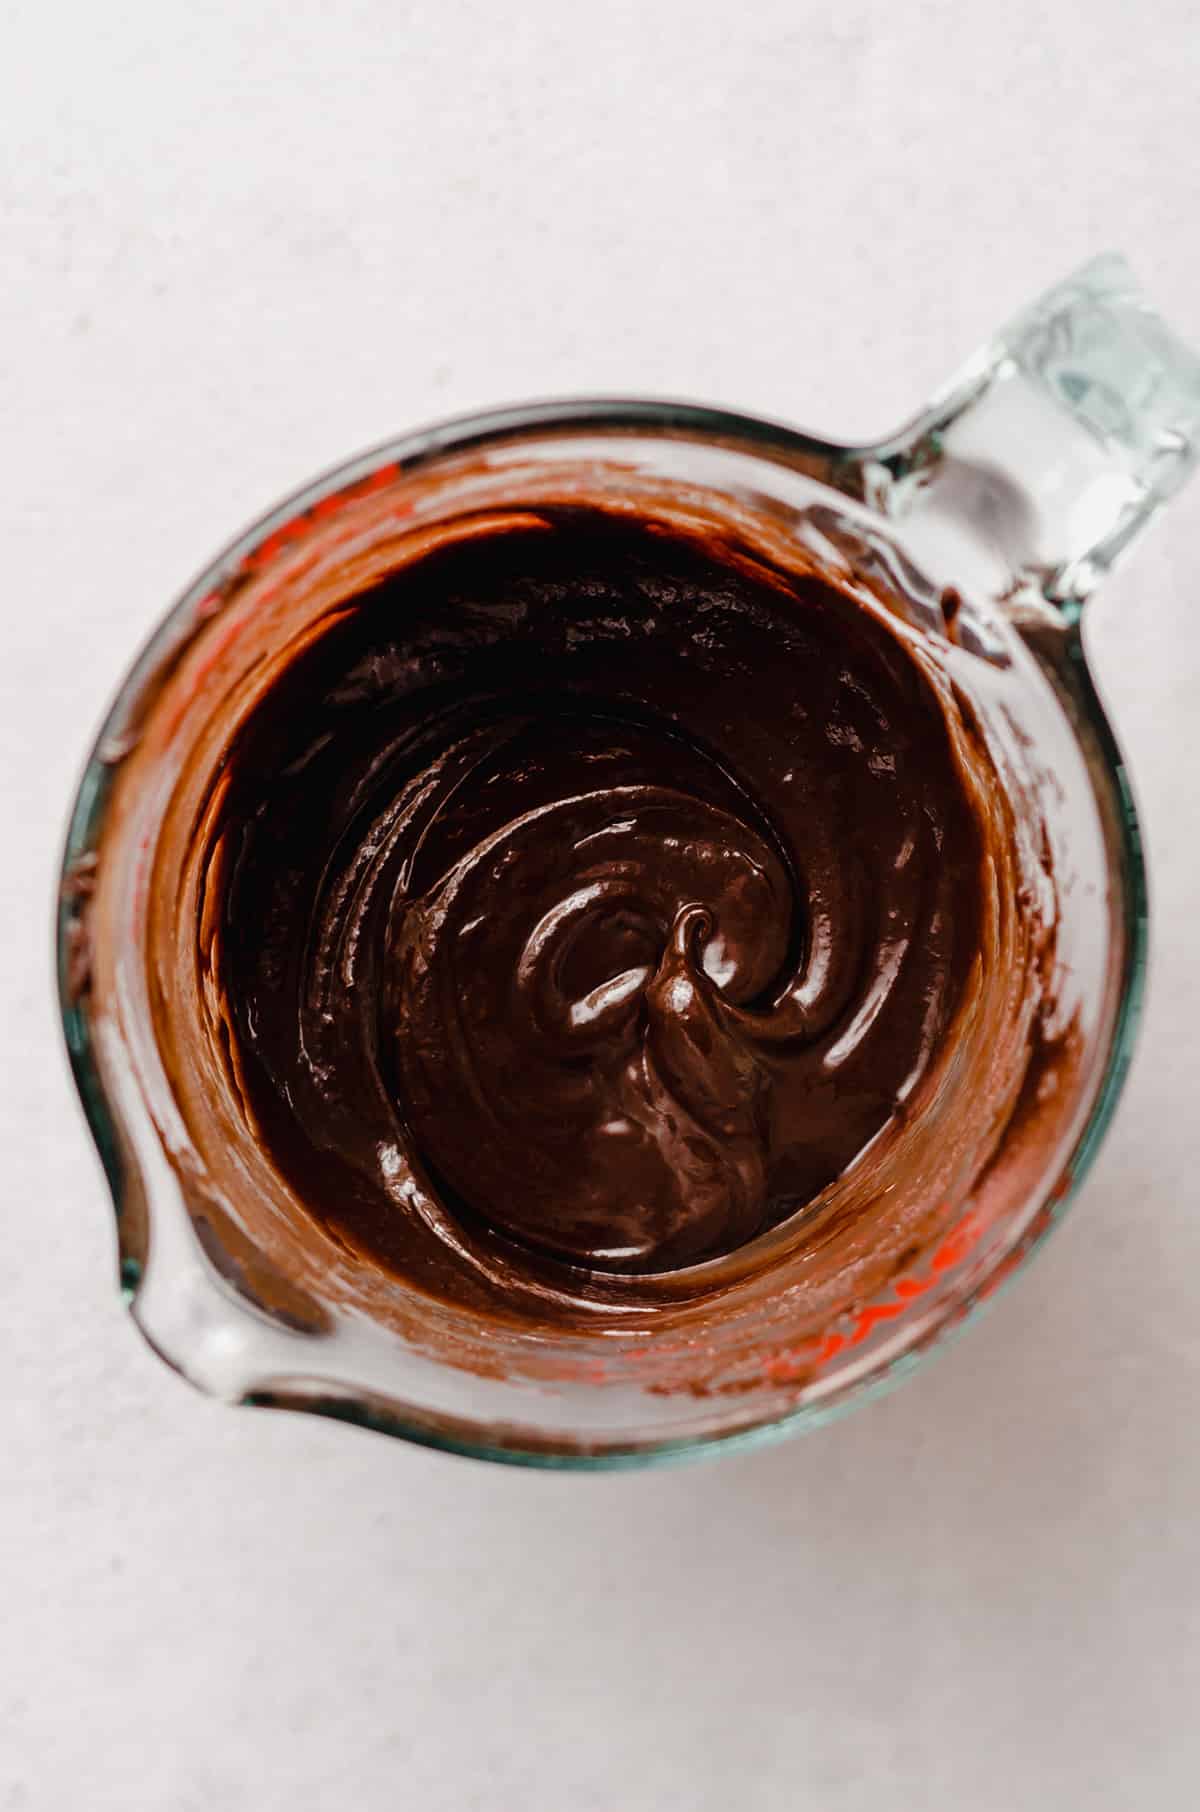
{"type": "Point", "coordinates": [241, 240]}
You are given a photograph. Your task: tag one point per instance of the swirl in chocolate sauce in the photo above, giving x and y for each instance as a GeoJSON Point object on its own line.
{"type": "Point", "coordinates": [614, 886]}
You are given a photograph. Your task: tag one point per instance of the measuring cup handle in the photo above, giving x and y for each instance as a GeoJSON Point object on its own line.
{"type": "Point", "coordinates": [1056, 444]}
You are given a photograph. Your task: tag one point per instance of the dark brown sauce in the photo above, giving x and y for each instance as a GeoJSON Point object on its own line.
{"type": "Point", "coordinates": [593, 895]}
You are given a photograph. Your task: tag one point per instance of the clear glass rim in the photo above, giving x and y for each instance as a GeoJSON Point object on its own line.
{"type": "Point", "coordinates": [829, 462]}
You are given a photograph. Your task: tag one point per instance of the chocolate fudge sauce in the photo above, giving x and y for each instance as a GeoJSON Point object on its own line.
{"type": "Point", "coordinates": [582, 902]}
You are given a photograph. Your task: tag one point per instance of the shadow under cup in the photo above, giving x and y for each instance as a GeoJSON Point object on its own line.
{"type": "Point", "coordinates": [250, 1297]}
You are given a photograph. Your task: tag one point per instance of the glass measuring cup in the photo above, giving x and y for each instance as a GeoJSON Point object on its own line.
{"type": "Point", "coordinates": [981, 528]}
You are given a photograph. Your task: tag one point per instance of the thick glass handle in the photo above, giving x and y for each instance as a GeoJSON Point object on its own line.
{"type": "Point", "coordinates": [1054, 447]}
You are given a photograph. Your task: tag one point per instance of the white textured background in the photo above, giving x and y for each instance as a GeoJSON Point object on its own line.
{"type": "Point", "coordinates": [239, 241]}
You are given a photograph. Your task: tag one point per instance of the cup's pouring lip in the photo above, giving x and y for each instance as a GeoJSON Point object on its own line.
{"type": "Point", "coordinates": [837, 465]}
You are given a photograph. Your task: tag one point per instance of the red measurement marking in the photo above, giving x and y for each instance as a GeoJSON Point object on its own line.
{"type": "Point", "coordinates": [265, 552]}
{"type": "Point", "coordinates": [904, 1291]}
{"type": "Point", "coordinates": [378, 480]}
